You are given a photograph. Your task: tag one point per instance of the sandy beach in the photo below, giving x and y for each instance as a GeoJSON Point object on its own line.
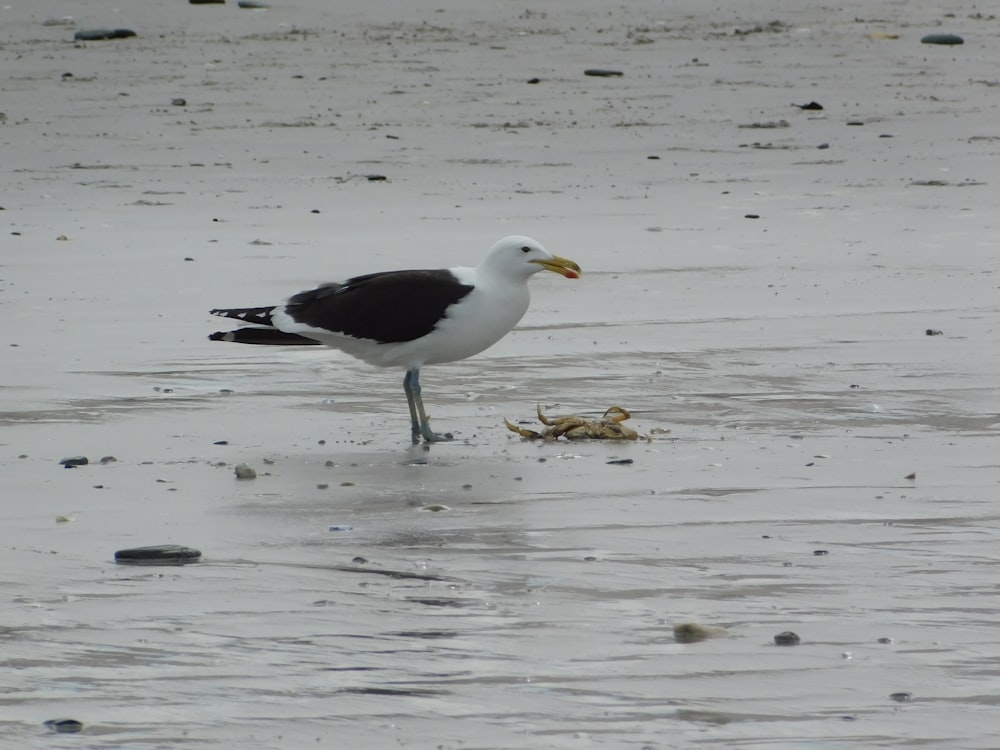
{"type": "Point", "coordinates": [798, 305]}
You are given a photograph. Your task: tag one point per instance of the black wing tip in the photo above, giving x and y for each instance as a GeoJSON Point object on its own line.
{"type": "Point", "coordinates": [263, 336]}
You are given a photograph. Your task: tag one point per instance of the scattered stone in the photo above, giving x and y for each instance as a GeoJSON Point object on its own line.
{"type": "Point", "coordinates": [934, 332]}
{"type": "Point", "coordinates": [812, 106]}
{"type": "Point", "coordinates": [359, 560]}
{"type": "Point", "coordinates": [821, 552]}
{"type": "Point", "coordinates": [534, 80]}
{"type": "Point", "coordinates": [340, 527]}
{"type": "Point", "coordinates": [95, 35]}
{"type": "Point", "coordinates": [911, 476]}
{"type": "Point", "coordinates": [787, 638]}
{"type": "Point", "coordinates": [901, 697]}
{"type": "Point", "coordinates": [64, 726]}
{"type": "Point", "coordinates": [243, 471]}
{"type": "Point", "coordinates": [942, 39]}
{"type": "Point", "coordinates": [179, 101]}
{"type": "Point", "coordinates": [376, 178]}
{"type": "Point", "coordinates": [208, 2]}
{"type": "Point", "coordinates": [435, 507]}
{"type": "Point", "coordinates": [253, 5]}
{"type": "Point", "coordinates": [751, 216]}
{"type": "Point", "coordinates": [221, 442]}
{"type": "Point", "coordinates": [855, 123]}
{"type": "Point", "coordinates": [692, 632]}
{"type": "Point", "coordinates": [620, 461]}
{"type": "Point", "coordinates": [322, 486]}
{"type": "Point", "coordinates": [73, 461]}
{"type": "Point", "coordinates": [105, 460]}
{"type": "Point", "coordinates": [769, 125]}
{"type": "Point", "coordinates": [603, 73]}
{"type": "Point", "coordinates": [347, 484]}
{"type": "Point", "coordinates": [886, 640]}
{"type": "Point", "coordinates": [64, 519]}
{"type": "Point", "coordinates": [158, 554]}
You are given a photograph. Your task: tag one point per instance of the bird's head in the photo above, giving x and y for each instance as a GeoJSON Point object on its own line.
{"type": "Point", "coordinates": [522, 256]}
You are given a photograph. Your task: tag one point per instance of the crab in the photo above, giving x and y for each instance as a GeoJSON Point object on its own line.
{"type": "Point", "coordinates": [609, 427]}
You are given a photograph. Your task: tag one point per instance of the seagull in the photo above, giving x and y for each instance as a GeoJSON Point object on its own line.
{"type": "Point", "coordinates": [408, 318]}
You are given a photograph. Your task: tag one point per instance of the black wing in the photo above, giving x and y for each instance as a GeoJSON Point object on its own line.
{"type": "Point", "coordinates": [388, 307]}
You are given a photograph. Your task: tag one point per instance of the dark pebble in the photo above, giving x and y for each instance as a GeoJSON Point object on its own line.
{"type": "Point", "coordinates": [788, 638]}
{"type": "Point", "coordinates": [252, 5]}
{"type": "Point", "coordinates": [243, 471]}
{"type": "Point", "coordinates": [534, 80]}
{"type": "Point", "coordinates": [902, 697]}
{"type": "Point", "coordinates": [751, 216]}
{"type": "Point", "coordinates": [221, 442]}
{"type": "Point", "coordinates": [105, 460]}
{"type": "Point", "coordinates": [603, 73]}
{"type": "Point", "coordinates": [94, 35]}
{"type": "Point", "coordinates": [856, 123]}
{"type": "Point", "coordinates": [810, 106]}
{"type": "Point", "coordinates": [208, 2]}
{"type": "Point", "coordinates": [376, 178]}
{"type": "Point", "coordinates": [821, 552]}
{"type": "Point", "coordinates": [158, 554]}
{"type": "Point", "coordinates": [179, 102]}
{"type": "Point", "coordinates": [359, 560]}
{"type": "Point", "coordinates": [338, 527]}
{"type": "Point", "coordinates": [72, 461]}
{"type": "Point", "coordinates": [942, 39]}
{"type": "Point", "coordinates": [64, 726]}
{"type": "Point", "coordinates": [620, 461]}
{"type": "Point", "coordinates": [934, 332]}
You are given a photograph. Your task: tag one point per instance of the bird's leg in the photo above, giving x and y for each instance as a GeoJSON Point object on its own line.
{"type": "Point", "coordinates": [420, 425]}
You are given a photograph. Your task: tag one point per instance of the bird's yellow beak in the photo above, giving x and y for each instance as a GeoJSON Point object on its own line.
{"type": "Point", "coordinates": [563, 266]}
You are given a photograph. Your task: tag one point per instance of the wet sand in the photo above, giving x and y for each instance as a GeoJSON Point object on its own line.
{"type": "Point", "coordinates": [787, 355]}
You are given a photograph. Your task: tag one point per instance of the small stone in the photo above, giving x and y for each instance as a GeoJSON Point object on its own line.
{"type": "Point", "coordinates": [751, 216]}
{"type": "Point", "coordinates": [942, 39]}
{"type": "Point", "coordinates": [811, 106]}
{"type": "Point", "coordinates": [72, 461]}
{"type": "Point", "coordinates": [105, 460]}
{"type": "Point", "coordinates": [179, 102]}
{"type": "Point", "coordinates": [359, 560]}
{"type": "Point", "coordinates": [821, 552]}
{"type": "Point", "coordinates": [243, 471]}
{"type": "Point", "coordinates": [64, 519]}
{"type": "Point", "coordinates": [886, 640]}
{"type": "Point", "coordinates": [94, 35]}
{"type": "Point", "coordinates": [787, 638]}
{"type": "Point", "coordinates": [252, 5]}
{"type": "Point", "coordinates": [692, 632]}
{"type": "Point", "coordinates": [435, 507]}
{"type": "Point", "coordinates": [901, 697]}
{"type": "Point", "coordinates": [934, 332]}
{"type": "Point", "coordinates": [341, 527]}
{"type": "Point", "coordinates": [603, 73]}
{"type": "Point", "coordinates": [64, 726]}
{"type": "Point", "coordinates": [159, 554]}
{"type": "Point", "coordinates": [911, 476]}
{"type": "Point", "coordinates": [620, 461]}
{"type": "Point", "coordinates": [322, 486]}
{"type": "Point", "coordinates": [376, 177]}
{"type": "Point", "coordinates": [534, 80]}
{"type": "Point", "coordinates": [347, 484]}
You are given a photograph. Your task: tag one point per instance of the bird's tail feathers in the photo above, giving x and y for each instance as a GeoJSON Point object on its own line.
{"type": "Point", "coordinates": [266, 336]}
{"type": "Point", "coordinates": [257, 315]}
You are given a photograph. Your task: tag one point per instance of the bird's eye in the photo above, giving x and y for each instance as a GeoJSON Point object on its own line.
{"type": "Point", "coordinates": [525, 249]}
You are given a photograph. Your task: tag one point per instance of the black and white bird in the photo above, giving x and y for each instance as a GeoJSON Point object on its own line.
{"type": "Point", "coordinates": [408, 319]}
